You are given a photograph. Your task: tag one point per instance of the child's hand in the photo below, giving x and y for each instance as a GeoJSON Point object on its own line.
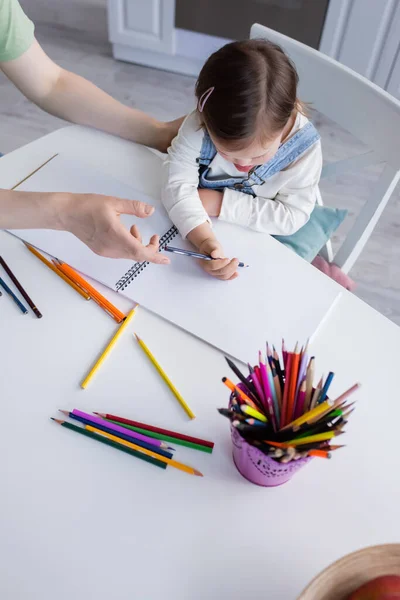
{"type": "Point", "coordinates": [223, 268]}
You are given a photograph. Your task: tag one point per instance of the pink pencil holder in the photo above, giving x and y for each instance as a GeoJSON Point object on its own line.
{"type": "Point", "coordinates": [259, 468]}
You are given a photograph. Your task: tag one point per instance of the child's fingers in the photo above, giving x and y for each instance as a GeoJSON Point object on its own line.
{"type": "Point", "coordinates": [213, 266]}
{"type": "Point", "coordinates": [226, 272]}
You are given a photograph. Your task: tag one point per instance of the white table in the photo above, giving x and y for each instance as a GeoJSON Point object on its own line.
{"type": "Point", "coordinates": [79, 520]}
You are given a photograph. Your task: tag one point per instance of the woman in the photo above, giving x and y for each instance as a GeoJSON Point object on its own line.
{"type": "Point", "coordinates": [93, 219]}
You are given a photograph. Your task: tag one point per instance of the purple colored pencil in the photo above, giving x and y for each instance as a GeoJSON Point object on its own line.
{"type": "Point", "coordinates": [256, 378]}
{"type": "Point", "coordinates": [265, 384]}
{"type": "Point", "coordinates": [118, 428]}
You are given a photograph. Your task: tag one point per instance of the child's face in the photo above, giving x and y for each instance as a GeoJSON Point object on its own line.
{"type": "Point", "coordinates": [250, 156]}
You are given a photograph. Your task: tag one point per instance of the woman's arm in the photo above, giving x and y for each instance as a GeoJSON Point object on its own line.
{"type": "Point", "coordinates": [92, 218]}
{"type": "Point", "coordinates": [75, 99]}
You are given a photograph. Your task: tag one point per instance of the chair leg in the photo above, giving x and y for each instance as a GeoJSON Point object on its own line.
{"type": "Point", "coordinates": [367, 219]}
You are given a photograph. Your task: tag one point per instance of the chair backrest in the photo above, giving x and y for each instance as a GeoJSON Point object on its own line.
{"type": "Point", "coordinates": [362, 108]}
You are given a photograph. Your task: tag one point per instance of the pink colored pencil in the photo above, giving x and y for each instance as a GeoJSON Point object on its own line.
{"type": "Point", "coordinates": [299, 410]}
{"type": "Point", "coordinates": [265, 383]}
{"type": "Point", "coordinates": [284, 354]}
{"type": "Point", "coordinates": [272, 413]}
{"type": "Point", "coordinates": [258, 386]}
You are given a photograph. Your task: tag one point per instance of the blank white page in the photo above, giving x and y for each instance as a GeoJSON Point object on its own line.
{"type": "Point", "coordinates": [279, 295]}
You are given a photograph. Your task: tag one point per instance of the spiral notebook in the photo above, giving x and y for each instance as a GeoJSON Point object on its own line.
{"type": "Point", "coordinates": [279, 295]}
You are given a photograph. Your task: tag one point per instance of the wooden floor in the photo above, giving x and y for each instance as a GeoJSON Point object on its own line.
{"type": "Point", "coordinates": [167, 95]}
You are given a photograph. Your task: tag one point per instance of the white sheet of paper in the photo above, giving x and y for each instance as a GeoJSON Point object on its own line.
{"type": "Point", "coordinates": [279, 295]}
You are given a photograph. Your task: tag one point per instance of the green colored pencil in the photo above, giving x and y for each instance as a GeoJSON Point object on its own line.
{"type": "Point", "coordinates": [166, 438]}
{"type": "Point", "coordinates": [104, 440]}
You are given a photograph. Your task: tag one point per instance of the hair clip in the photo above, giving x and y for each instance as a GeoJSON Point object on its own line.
{"type": "Point", "coordinates": [203, 98]}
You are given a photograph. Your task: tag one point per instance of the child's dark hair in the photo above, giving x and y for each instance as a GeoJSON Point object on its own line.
{"type": "Point", "coordinates": [255, 91]}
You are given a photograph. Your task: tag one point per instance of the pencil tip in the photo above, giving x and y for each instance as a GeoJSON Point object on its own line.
{"type": "Point", "coordinates": [170, 448]}
{"type": "Point", "coordinates": [57, 420]}
{"type": "Point", "coordinates": [64, 412]}
{"type": "Point", "coordinates": [223, 379]}
{"type": "Point", "coordinates": [137, 337]}
{"type": "Point", "coordinates": [196, 472]}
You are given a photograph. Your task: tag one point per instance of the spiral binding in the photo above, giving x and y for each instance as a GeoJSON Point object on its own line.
{"type": "Point", "coordinates": [139, 267]}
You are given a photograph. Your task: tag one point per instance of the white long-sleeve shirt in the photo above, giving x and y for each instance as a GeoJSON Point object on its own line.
{"type": "Point", "coordinates": [281, 206]}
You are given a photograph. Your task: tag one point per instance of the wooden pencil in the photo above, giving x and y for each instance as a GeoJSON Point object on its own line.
{"type": "Point", "coordinates": [165, 438]}
{"type": "Point", "coordinates": [19, 287]}
{"type": "Point", "coordinates": [48, 264]}
{"type": "Point", "coordinates": [14, 187]}
{"type": "Point", "coordinates": [105, 304]}
{"type": "Point", "coordinates": [165, 377]}
{"type": "Point", "coordinates": [288, 367]}
{"type": "Point", "coordinates": [168, 461]}
{"type": "Point", "coordinates": [250, 388]}
{"type": "Point", "coordinates": [316, 394]}
{"type": "Point", "coordinates": [293, 384]}
{"type": "Point", "coordinates": [170, 434]}
{"type": "Point", "coordinates": [309, 383]}
{"type": "Point", "coordinates": [13, 296]}
{"type": "Point", "coordinates": [234, 388]}
{"type": "Point", "coordinates": [107, 350]}
{"type": "Point", "coordinates": [108, 442]}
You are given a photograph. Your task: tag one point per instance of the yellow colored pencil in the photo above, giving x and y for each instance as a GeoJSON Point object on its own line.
{"type": "Point", "coordinates": [108, 349]}
{"type": "Point", "coordinates": [318, 437]}
{"type": "Point", "coordinates": [57, 271]}
{"type": "Point", "coordinates": [169, 461]}
{"type": "Point", "coordinates": [252, 412]}
{"type": "Point", "coordinates": [167, 380]}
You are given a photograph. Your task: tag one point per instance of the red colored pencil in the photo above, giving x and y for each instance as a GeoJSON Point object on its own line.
{"type": "Point", "coordinates": [179, 436]}
{"type": "Point", "coordinates": [288, 368]}
{"type": "Point", "coordinates": [258, 385]}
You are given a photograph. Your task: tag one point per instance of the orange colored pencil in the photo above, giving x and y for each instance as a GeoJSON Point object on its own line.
{"type": "Point", "coordinates": [93, 293]}
{"type": "Point", "coordinates": [293, 384]}
{"type": "Point", "coordinates": [234, 388]}
{"type": "Point", "coordinates": [319, 453]}
{"type": "Point", "coordinates": [57, 271]}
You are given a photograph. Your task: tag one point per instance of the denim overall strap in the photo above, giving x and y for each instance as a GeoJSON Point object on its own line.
{"type": "Point", "coordinates": [288, 152]}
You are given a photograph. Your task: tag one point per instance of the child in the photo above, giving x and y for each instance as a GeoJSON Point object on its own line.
{"type": "Point", "coordinates": [248, 154]}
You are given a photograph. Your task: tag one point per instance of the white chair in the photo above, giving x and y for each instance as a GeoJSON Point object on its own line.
{"type": "Point", "coordinates": [363, 109]}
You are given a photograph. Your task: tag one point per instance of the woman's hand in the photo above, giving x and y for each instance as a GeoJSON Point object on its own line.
{"type": "Point", "coordinates": [94, 219]}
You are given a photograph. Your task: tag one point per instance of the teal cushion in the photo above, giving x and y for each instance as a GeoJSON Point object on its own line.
{"type": "Point", "coordinates": [310, 238]}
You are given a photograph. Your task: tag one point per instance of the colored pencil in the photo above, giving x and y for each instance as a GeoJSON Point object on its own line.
{"type": "Point", "coordinates": [13, 296]}
{"type": "Point", "coordinates": [20, 288]}
{"type": "Point", "coordinates": [32, 173]}
{"type": "Point", "coordinates": [316, 394]}
{"type": "Point", "coordinates": [107, 350]}
{"type": "Point", "coordinates": [309, 382]}
{"type": "Point", "coordinates": [105, 304]}
{"type": "Point", "coordinates": [108, 442]}
{"type": "Point", "coordinates": [185, 252]}
{"type": "Point", "coordinates": [278, 367]}
{"type": "Point", "coordinates": [319, 437]}
{"type": "Point", "coordinates": [245, 380]}
{"type": "Point", "coordinates": [166, 438]}
{"type": "Point", "coordinates": [274, 395]}
{"type": "Point", "coordinates": [168, 461]}
{"type": "Point", "coordinates": [284, 354]}
{"type": "Point", "coordinates": [256, 377]}
{"type": "Point", "coordinates": [264, 378]}
{"type": "Point", "coordinates": [306, 417]}
{"type": "Point", "coordinates": [302, 370]}
{"type": "Point", "coordinates": [125, 436]}
{"type": "Point", "coordinates": [165, 377]}
{"type": "Point", "coordinates": [117, 428]}
{"type": "Point", "coordinates": [293, 384]}
{"type": "Point", "coordinates": [234, 388]}
{"type": "Point", "coordinates": [278, 389]}
{"type": "Point", "coordinates": [319, 453]}
{"type": "Point", "coordinates": [300, 399]}
{"type": "Point", "coordinates": [288, 366]}
{"type": "Point", "coordinates": [170, 434]}
{"type": "Point", "coordinates": [57, 271]}
{"type": "Point", "coordinates": [323, 395]}
{"type": "Point", "coordinates": [252, 412]}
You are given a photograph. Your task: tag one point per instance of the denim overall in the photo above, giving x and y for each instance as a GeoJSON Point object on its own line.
{"type": "Point", "coordinates": [287, 152]}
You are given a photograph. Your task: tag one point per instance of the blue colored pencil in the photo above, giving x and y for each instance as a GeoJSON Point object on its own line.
{"type": "Point", "coordinates": [184, 252]}
{"type": "Point", "coordinates": [323, 395]}
{"type": "Point", "coordinates": [13, 296]}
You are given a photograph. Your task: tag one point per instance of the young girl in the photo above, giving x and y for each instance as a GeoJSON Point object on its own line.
{"type": "Point", "coordinates": [248, 154]}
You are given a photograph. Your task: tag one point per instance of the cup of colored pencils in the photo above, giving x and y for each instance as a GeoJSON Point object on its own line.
{"type": "Point", "coordinates": [280, 418]}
